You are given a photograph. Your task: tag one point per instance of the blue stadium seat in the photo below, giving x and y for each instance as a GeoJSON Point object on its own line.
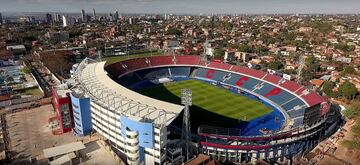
{"type": "Point", "coordinates": [250, 84]}
{"type": "Point", "coordinates": [264, 89]}
{"type": "Point", "coordinates": [282, 98]}
{"type": "Point", "coordinates": [180, 71]}
{"type": "Point", "coordinates": [291, 104]}
{"type": "Point", "coordinates": [219, 76]}
{"type": "Point", "coordinates": [210, 74]}
{"type": "Point", "coordinates": [154, 73]}
{"type": "Point", "coordinates": [201, 72]}
{"type": "Point", "coordinates": [296, 113]}
{"type": "Point", "coordinates": [298, 122]}
{"type": "Point", "coordinates": [129, 79]}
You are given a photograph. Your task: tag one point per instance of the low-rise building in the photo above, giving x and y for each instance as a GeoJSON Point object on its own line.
{"type": "Point", "coordinates": [63, 108]}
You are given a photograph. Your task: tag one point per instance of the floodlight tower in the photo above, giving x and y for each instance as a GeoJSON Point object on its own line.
{"type": "Point", "coordinates": [186, 99]}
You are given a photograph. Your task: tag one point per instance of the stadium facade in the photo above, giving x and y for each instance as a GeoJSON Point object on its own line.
{"type": "Point", "coordinates": [139, 127]}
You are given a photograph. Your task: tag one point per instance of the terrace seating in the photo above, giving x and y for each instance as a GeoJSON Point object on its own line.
{"type": "Point", "coordinates": [313, 99]}
{"type": "Point", "coordinates": [298, 122]}
{"type": "Point", "coordinates": [292, 103]}
{"type": "Point", "coordinates": [272, 78]}
{"type": "Point", "coordinates": [116, 69]}
{"type": "Point", "coordinates": [219, 65]}
{"type": "Point", "coordinates": [249, 84]}
{"type": "Point", "coordinates": [234, 79]}
{"type": "Point", "coordinates": [218, 75]}
{"type": "Point", "coordinates": [269, 86]}
{"type": "Point", "coordinates": [266, 89]}
{"type": "Point", "coordinates": [279, 98]}
{"type": "Point", "coordinates": [135, 64]}
{"type": "Point", "coordinates": [211, 74]}
{"type": "Point", "coordinates": [129, 79]}
{"type": "Point", "coordinates": [180, 71]}
{"type": "Point", "coordinates": [201, 72]}
{"type": "Point", "coordinates": [246, 81]}
{"type": "Point", "coordinates": [188, 60]}
{"type": "Point", "coordinates": [295, 112]}
{"type": "Point", "coordinates": [161, 60]}
{"type": "Point", "coordinates": [290, 85]}
{"type": "Point", "coordinates": [154, 73]}
{"type": "Point", "coordinates": [248, 71]}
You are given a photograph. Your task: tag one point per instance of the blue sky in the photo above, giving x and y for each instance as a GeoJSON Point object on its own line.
{"type": "Point", "coordinates": [184, 6]}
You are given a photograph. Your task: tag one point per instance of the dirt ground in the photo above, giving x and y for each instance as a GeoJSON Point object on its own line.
{"type": "Point", "coordinates": [30, 134]}
{"type": "Point", "coordinates": [342, 155]}
{"type": "Point", "coordinates": [97, 154]}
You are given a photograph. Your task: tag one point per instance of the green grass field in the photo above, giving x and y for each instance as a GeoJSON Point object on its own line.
{"type": "Point", "coordinates": [212, 105]}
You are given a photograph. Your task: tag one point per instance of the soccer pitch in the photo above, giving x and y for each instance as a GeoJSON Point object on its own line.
{"type": "Point", "coordinates": [210, 103]}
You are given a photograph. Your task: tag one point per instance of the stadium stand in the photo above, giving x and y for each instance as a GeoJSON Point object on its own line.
{"type": "Point", "coordinates": [248, 71]}
{"type": "Point", "coordinates": [292, 103]}
{"type": "Point", "coordinates": [266, 90]}
{"type": "Point", "coordinates": [135, 64]}
{"type": "Point", "coordinates": [270, 86]}
{"type": "Point", "coordinates": [161, 60]}
{"type": "Point", "coordinates": [154, 73]}
{"type": "Point", "coordinates": [277, 135]}
{"type": "Point", "coordinates": [180, 71]}
{"type": "Point", "coordinates": [272, 78]}
{"type": "Point", "coordinates": [188, 60]}
{"type": "Point", "coordinates": [280, 98]}
{"type": "Point", "coordinates": [116, 69]}
{"type": "Point", "coordinates": [219, 65]}
{"type": "Point", "coordinates": [129, 79]}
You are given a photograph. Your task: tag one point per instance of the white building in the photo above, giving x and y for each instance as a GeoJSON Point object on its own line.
{"type": "Point", "coordinates": [65, 20]}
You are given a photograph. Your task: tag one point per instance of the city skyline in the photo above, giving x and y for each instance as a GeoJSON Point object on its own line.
{"type": "Point", "coordinates": [186, 6]}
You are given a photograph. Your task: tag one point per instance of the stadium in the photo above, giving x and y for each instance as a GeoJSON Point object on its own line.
{"type": "Point", "coordinates": [238, 114]}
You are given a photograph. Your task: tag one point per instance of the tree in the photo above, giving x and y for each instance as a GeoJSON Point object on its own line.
{"type": "Point", "coordinates": [352, 110]}
{"type": "Point", "coordinates": [219, 53]}
{"type": "Point", "coordinates": [312, 64]}
{"type": "Point", "coordinates": [26, 70]}
{"type": "Point", "coordinates": [174, 31]}
{"type": "Point", "coordinates": [328, 87]}
{"type": "Point", "coordinates": [306, 75]}
{"type": "Point", "coordinates": [276, 65]}
{"type": "Point", "coordinates": [344, 47]}
{"type": "Point", "coordinates": [228, 26]}
{"type": "Point", "coordinates": [348, 90]}
{"type": "Point", "coordinates": [348, 70]}
{"type": "Point", "coordinates": [324, 27]}
{"type": "Point", "coordinates": [245, 48]}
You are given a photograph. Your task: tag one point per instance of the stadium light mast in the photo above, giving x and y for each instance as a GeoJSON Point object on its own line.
{"type": "Point", "coordinates": [186, 99]}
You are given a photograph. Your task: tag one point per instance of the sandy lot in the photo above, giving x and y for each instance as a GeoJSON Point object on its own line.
{"type": "Point", "coordinates": [30, 134]}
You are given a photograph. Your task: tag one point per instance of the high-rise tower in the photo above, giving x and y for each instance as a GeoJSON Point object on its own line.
{"type": "Point", "coordinates": [83, 16]}
{"type": "Point", "coordinates": [94, 14]}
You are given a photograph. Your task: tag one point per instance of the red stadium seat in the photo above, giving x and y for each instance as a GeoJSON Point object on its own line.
{"type": "Point", "coordinates": [242, 80]}
{"type": "Point", "coordinates": [275, 91]}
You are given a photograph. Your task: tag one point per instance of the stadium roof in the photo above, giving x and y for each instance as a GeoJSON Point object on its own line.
{"type": "Point", "coordinates": [102, 89]}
